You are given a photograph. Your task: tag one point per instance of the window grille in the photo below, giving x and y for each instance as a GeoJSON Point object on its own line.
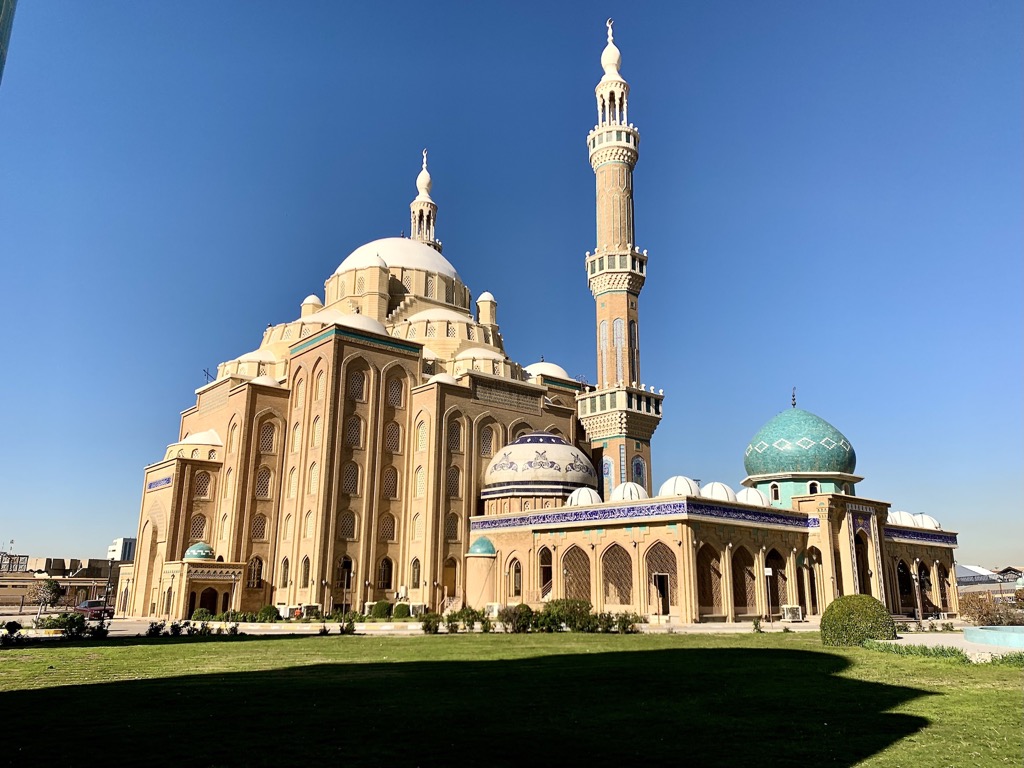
{"type": "Point", "coordinates": [384, 572]}
{"type": "Point", "coordinates": [267, 438]}
{"type": "Point", "coordinates": [407, 282]}
{"type": "Point", "coordinates": [360, 286]}
{"type": "Point", "coordinates": [304, 581]}
{"type": "Point", "coordinates": [454, 436]}
{"type": "Point", "coordinates": [307, 526]}
{"type": "Point", "coordinates": [430, 286]}
{"type": "Point", "coordinates": [387, 527]}
{"type": "Point", "coordinates": [255, 574]}
{"type": "Point", "coordinates": [261, 369]}
{"type": "Point", "coordinates": [450, 333]}
{"type": "Point", "coordinates": [428, 367]}
{"type": "Point", "coordinates": [353, 432]}
{"type": "Point", "coordinates": [389, 483]}
{"type": "Point", "coordinates": [318, 432]}
{"type": "Point", "coordinates": [486, 441]}
{"type": "Point", "coordinates": [202, 485]}
{"type": "Point", "coordinates": [356, 385]}
{"type": "Point", "coordinates": [287, 532]}
{"type": "Point", "coordinates": [212, 455]}
{"type": "Point", "coordinates": [259, 527]}
{"type": "Point", "coordinates": [314, 477]}
{"type": "Point", "coordinates": [195, 453]}
{"type": "Point", "coordinates": [421, 483]}
{"type": "Point", "coordinates": [263, 483]}
{"type": "Point", "coordinates": [287, 334]}
{"type": "Point", "coordinates": [421, 436]}
{"type": "Point", "coordinates": [395, 391]}
{"type": "Point", "coordinates": [449, 292]}
{"type": "Point", "coordinates": [471, 333]}
{"type": "Point", "coordinates": [617, 566]}
{"type": "Point", "coordinates": [223, 527]}
{"type": "Point", "coordinates": [415, 573]}
{"type": "Point", "coordinates": [487, 336]}
{"type": "Point", "coordinates": [412, 332]}
{"type": "Point", "coordinates": [453, 482]}
{"type": "Point", "coordinates": [300, 392]}
{"type": "Point", "coordinates": [431, 330]}
{"type": "Point", "coordinates": [517, 579]}
{"type": "Point", "coordinates": [451, 527]}
{"type": "Point", "coordinates": [350, 479]}
{"type": "Point", "coordinates": [347, 525]}
{"type": "Point", "coordinates": [321, 385]}
{"type": "Point", "coordinates": [576, 565]}
{"type": "Point", "coordinates": [293, 483]}
{"type": "Point", "coordinates": [197, 528]}
{"type": "Point", "coordinates": [284, 573]}
{"type": "Point", "coordinates": [417, 527]}
{"type": "Point", "coordinates": [393, 438]}
{"type": "Point", "coordinates": [306, 331]}
{"type": "Point", "coordinates": [233, 438]}
{"type": "Point", "coordinates": [296, 437]}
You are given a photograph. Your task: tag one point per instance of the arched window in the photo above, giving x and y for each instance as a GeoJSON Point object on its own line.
{"type": "Point", "coordinates": [486, 441]}
{"type": "Point", "coordinates": [202, 485]}
{"type": "Point", "coordinates": [296, 437]}
{"type": "Point", "coordinates": [300, 392]}
{"type": "Point", "coordinates": [774, 490]}
{"type": "Point", "coordinates": [454, 436]}
{"type": "Point", "coordinates": [812, 488]}
{"type": "Point", "coordinates": [353, 431]}
{"type": "Point", "coordinates": [284, 573]}
{"type": "Point", "coordinates": [360, 286]}
{"type": "Point", "coordinates": [415, 569]}
{"type": "Point", "coordinates": [314, 477]}
{"type": "Point", "coordinates": [516, 574]}
{"type": "Point", "coordinates": [263, 478]}
{"type": "Point", "coordinates": [347, 525]}
{"type": "Point", "coordinates": [430, 287]}
{"type": "Point", "coordinates": [608, 475]}
{"type": "Point", "coordinates": [393, 438]}
{"type": "Point", "coordinates": [304, 580]}
{"type": "Point", "coordinates": [619, 337]}
{"type": "Point", "coordinates": [417, 527]}
{"type": "Point", "coordinates": [254, 574]}
{"type": "Point", "coordinates": [634, 355]}
{"type": "Point", "coordinates": [389, 483]}
{"type": "Point", "coordinates": [350, 479]}
{"type": "Point", "coordinates": [387, 527]}
{"type": "Point", "coordinates": [286, 533]}
{"type": "Point", "coordinates": [321, 386]}
{"type": "Point", "coordinates": [197, 527]}
{"type": "Point", "coordinates": [639, 471]}
{"type": "Point", "coordinates": [603, 345]}
{"type": "Point", "coordinates": [223, 527]}
{"type": "Point", "coordinates": [259, 527]}
{"type": "Point", "coordinates": [453, 482]}
{"type": "Point", "coordinates": [451, 527]}
{"type": "Point", "coordinates": [421, 436]}
{"type": "Point", "coordinates": [395, 392]}
{"type": "Point", "coordinates": [307, 525]}
{"type": "Point", "coordinates": [195, 453]}
{"type": "Point", "coordinates": [345, 572]}
{"type": "Point", "coordinates": [233, 438]}
{"type": "Point", "coordinates": [293, 483]}
{"type": "Point", "coordinates": [431, 330]}
{"type": "Point", "coordinates": [267, 438]}
{"type": "Point", "coordinates": [226, 490]}
{"type": "Point", "coordinates": [384, 573]}
{"type": "Point", "coordinates": [318, 433]}
{"type": "Point", "coordinates": [356, 386]}
{"type": "Point", "coordinates": [421, 482]}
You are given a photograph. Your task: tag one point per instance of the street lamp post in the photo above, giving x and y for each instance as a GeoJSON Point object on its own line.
{"type": "Point", "coordinates": [106, 595]}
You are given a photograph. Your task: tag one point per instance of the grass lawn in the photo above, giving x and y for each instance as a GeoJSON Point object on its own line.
{"type": "Point", "coordinates": [535, 700]}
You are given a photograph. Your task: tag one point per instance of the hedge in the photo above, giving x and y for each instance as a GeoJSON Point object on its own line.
{"type": "Point", "coordinates": [852, 619]}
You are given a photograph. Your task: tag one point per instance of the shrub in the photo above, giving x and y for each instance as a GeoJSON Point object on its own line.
{"type": "Point", "coordinates": [469, 617]}
{"type": "Point", "coordinates": [1015, 659]}
{"type": "Point", "coordinates": [97, 631]}
{"type": "Point", "coordinates": [947, 626]}
{"type": "Point", "coordinates": [430, 623]}
{"type": "Point", "coordinates": [485, 625]}
{"type": "Point", "coordinates": [980, 609]}
{"type": "Point", "coordinates": [516, 619]}
{"type": "Point", "coordinates": [201, 614]}
{"type": "Point", "coordinates": [401, 611]}
{"type": "Point", "coordinates": [71, 625]}
{"type": "Point", "coordinates": [156, 628]}
{"type": "Point", "coordinates": [574, 615]}
{"type": "Point", "coordinates": [757, 626]}
{"type": "Point", "coordinates": [625, 622]}
{"type": "Point", "coordinates": [12, 627]}
{"type": "Point", "coordinates": [932, 651]}
{"type": "Point", "coordinates": [852, 619]}
{"type": "Point", "coordinates": [381, 610]}
{"type": "Point", "coordinates": [347, 626]}
{"type": "Point", "coordinates": [546, 621]}
{"type": "Point", "coordinates": [605, 622]}
{"type": "Point", "coordinates": [323, 630]}
{"type": "Point", "coordinates": [175, 629]}
{"type": "Point", "coordinates": [268, 614]}
{"type": "Point", "coordinates": [452, 622]}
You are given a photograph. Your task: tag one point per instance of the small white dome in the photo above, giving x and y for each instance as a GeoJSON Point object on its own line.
{"type": "Point", "coordinates": [718, 491]}
{"type": "Point", "coordinates": [209, 437]}
{"type": "Point", "coordinates": [753, 497]}
{"type": "Point", "coordinates": [442, 378]}
{"type": "Point", "coordinates": [922, 520]}
{"type": "Point", "coordinates": [583, 497]}
{"type": "Point", "coordinates": [629, 492]}
{"type": "Point", "coordinates": [679, 486]}
{"type": "Point", "coordinates": [312, 299]}
{"type": "Point", "coordinates": [899, 517]}
{"type": "Point", "coordinates": [398, 252]}
{"type": "Point", "coordinates": [546, 369]}
{"type": "Point", "coordinates": [360, 259]}
{"type": "Point", "coordinates": [266, 381]}
{"type": "Point", "coordinates": [479, 353]}
{"type": "Point", "coordinates": [258, 356]}
{"type": "Point", "coordinates": [485, 296]}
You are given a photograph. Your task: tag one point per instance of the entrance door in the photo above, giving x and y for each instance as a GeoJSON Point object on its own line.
{"type": "Point", "coordinates": [208, 599]}
{"type": "Point", "coordinates": [449, 577]}
{"type": "Point", "coordinates": [661, 588]}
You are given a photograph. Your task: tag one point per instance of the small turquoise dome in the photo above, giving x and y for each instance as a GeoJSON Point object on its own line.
{"type": "Point", "coordinates": [199, 551]}
{"type": "Point", "coordinates": [482, 546]}
{"type": "Point", "coordinates": [798, 441]}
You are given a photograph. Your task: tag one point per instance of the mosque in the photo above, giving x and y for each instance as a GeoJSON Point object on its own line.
{"type": "Point", "coordinates": [382, 445]}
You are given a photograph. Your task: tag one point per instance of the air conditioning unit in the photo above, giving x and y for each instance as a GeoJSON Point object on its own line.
{"type": "Point", "coordinates": [792, 613]}
{"type": "Point", "coordinates": [417, 609]}
{"type": "Point", "coordinates": [491, 610]}
{"type": "Point", "coordinates": [402, 593]}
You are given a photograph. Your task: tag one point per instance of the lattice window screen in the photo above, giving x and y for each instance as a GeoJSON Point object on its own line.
{"type": "Point", "coordinates": [307, 526]}
{"type": "Point", "coordinates": [259, 527]}
{"type": "Point", "coordinates": [197, 527]}
{"type": "Point", "coordinates": [417, 527]}
{"type": "Point", "coordinates": [321, 385]}
{"type": "Point", "coordinates": [744, 584]}
{"type": "Point", "coordinates": [393, 438]}
{"type": "Point", "coordinates": [395, 391]}
{"type": "Point", "coordinates": [267, 438]}
{"type": "Point", "coordinates": [454, 436]}
{"type": "Point", "coordinates": [709, 580]}
{"type": "Point", "coordinates": [486, 441]}
{"type": "Point", "coordinates": [617, 566]}
{"type": "Point", "coordinates": [202, 485]}
{"type": "Point", "coordinates": [453, 482]}
{"type": "Point", "coordinates": [421, 482]}
{"type": "Point", "coordinates": [296, 438]}
{"type": "Point", "coordinates": [421, 436]}
{"type": "Point", "coordinates": [451, 527]}
{"type": "Point", "coordinates": [389, 483]}
{"type": "Point", "coordinates": [350, 479]}
{"type": "Point", "coordinates": [318, 432]}
{"type": "Point", "coordinates": [387, 527]}
{"type": "Point", "coordinates": [347, 525]}
{"type": "Point", "coordinates": [577, 576]}
{"type": "Point", "coordinates": [357, 385]}
{"type": "Point", "coordinates": [353, 431]}
{"type": "Point", "coordinates": [255, 574]}
{"type": "Point", "coordinates": [293, 483]}
{"type": "Point", "coordinates": [314, 477]}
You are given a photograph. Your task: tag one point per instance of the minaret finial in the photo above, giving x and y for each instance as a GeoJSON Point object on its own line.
{"type": "Point", "coordinates": [424, 159]}
{"type": "Point", "coordinates": [794, 397]}
{"type": "Point", "coordinates": [609, 25]}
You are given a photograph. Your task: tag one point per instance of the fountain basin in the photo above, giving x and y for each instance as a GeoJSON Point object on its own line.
{"type": "Point", "coordinates": [1006, 637]}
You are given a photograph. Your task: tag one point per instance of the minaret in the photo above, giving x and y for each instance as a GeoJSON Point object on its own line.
{"type": "Point", "coordinates": [619, 416]}
{"type": "Point", "coordinates": [423, 210]}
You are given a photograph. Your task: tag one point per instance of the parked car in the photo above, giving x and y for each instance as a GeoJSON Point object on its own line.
{"type": "Point", "coordinates": [95, 609]}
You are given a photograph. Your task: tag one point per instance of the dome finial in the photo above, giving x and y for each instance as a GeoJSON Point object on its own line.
{"type": "Point", "coordinates": [794, 397]}
{"type": "Point", "coordinates": [424, 158]}
{"type": "Point", "coordinates": [609, 25]}
{"type": "Point", "coordinates": [423, 181]}
{"type": "Point", "coordinates": [611, 59]}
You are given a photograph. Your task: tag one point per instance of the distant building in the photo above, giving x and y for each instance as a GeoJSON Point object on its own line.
{"type": "Point", "coordinates": [121, 549]}
{"type": "Point", "coordinates": [13, 563]}
{"type": "Point", "coordinates": [6, 22]}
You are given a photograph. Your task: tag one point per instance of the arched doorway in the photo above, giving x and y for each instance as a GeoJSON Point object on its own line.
{"type": "Point", "coordinates": [662, 579]}
{"type": "Point", "coordinates": [546, 571]}
{"type": "Point", "coordinates": [905, 587]}
{"type": "Point", "coordinates": [208, 599]}
{"type": "Point", "coordinates": [744, 584]}
{"type": "Point", "coordinates": [860, 546]}
{"type": "Point", "coordinates": [812, 563]}
{"type": "Point", "coordinates": [576, 570]}
{"type": "Point", "coordinates": [450, 577]}
{"type": "Point", "coordinates": [943, 588]}
{"type": "Point", "coordinates": [709, 582]}
{"type": "Point", "coordinates": [777, 593]}
{"type": "Point", "coordinates": [924, 581]}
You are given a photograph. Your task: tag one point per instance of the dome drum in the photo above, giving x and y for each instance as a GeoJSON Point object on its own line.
{"type": "Point", "coordinates": [538, 464]}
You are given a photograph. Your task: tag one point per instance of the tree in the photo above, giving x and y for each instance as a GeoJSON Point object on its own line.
{"type": "Point", "coordinates": [46, 592]}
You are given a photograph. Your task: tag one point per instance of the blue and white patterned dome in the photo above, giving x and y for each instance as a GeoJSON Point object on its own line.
{"type": "Point", "coordinates": [538, 464]}
{"type": "Point", "coordinates": [798, 441]}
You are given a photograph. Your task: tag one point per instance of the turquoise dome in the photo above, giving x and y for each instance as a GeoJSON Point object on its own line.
{"type": "Point", "coordinates": [482, 546]}
{"type": "Point", "coordinates": [199, 551]}
{"type": "Point", "coordinates": [798, 441]}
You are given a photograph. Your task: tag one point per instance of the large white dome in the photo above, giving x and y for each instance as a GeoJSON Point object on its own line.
{"type": "Point", "coordinates": [538, 464]}
{"type": "Point", "coordinates": [398, 252]}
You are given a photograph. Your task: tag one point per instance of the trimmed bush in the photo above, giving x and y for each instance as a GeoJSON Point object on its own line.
{"type": "Point", "coordinates": [625, 623]}
{"type": "Point", "coordinates": [452, 622]}
{"type": "Point", "coordinates": [381, 610]}
{"type": "Point", "coordinates": [516, 619]}
{"type": "Point", "coordinates": [401, 611]}
{"type": "Point", "coordinates": [12, 627]}
{"type": "Point", "coordinates": [70, 624]}
{"type": "Point", "coordinates": [201, 614]}
{"type": "Point", "coordinates": [268, 614]}
{"type": "Point", "coordinates": [431, 623]}
{"type": "Point", "coordinates": [574, 615]}
{"type": "Point", "coordinates": [852, 619]}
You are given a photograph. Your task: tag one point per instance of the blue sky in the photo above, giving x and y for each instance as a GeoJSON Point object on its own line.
{"type": "Point", "coordinates": [830, 193]}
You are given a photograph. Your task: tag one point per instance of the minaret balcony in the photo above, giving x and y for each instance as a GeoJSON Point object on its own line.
{"type": "Point", "coordinates": [620, 410]}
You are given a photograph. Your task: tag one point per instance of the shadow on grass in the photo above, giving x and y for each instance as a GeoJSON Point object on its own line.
{"type": "Point", "coordinates": [687, 706]}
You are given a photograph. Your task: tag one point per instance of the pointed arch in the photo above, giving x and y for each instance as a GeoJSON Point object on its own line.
{"type": "Point", "coordinates": [576, 570]}
{"type": "Point", "coordinates": [617, 576]}
{"type": "Point", "coordinates": [254, 573]}
{"type": "Point", "coordinates": [347, 525]}
{"type": "Point", "coordinates": [744, 583]}
{"type": "Point", "coordinates": [709, 581]}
